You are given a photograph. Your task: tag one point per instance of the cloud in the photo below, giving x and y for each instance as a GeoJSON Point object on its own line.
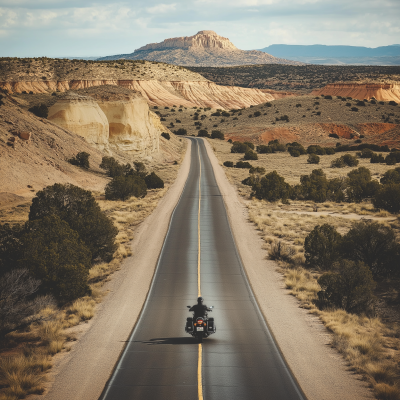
{"type": "Point", "coordinates": [161, 8]}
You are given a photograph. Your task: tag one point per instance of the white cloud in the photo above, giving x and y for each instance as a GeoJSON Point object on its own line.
{"type": "Point", "coordinates": [161, 8]}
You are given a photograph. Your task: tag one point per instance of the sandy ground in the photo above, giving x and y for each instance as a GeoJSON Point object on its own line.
{"type": "Point", "coordinates": [304, 341]}
{"type": "Point", "coordinates": [84, 371]}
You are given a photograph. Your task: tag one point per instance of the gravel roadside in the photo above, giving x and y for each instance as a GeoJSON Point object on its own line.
{"type": "Point", "coordinates": [84, 371]}
{"type": "Point", "coordinates": [303, 340]}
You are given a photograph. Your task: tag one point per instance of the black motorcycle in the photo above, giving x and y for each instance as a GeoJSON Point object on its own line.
{"type": "Point", "coordinates": [200, 328]}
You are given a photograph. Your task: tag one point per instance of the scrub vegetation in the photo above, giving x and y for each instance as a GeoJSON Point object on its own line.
{"type": "Point", "coordinates": [338, 252]}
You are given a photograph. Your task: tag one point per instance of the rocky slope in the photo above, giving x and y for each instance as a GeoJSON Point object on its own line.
{"type": "Point", "coordinates": [379, 91]}
{"type": "Point", "coordinates": [206, 48]}
{"type": "Point", "coordinates": [160, 84]}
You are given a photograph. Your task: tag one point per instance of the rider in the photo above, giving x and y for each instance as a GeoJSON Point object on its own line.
{"type": "Point", "coordinates": [199, 309]}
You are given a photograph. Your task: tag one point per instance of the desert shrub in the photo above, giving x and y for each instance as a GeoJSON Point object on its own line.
{"type": "Point", "coordinates": [313, 187]}
{"type": "Point", "coordinates": [322, 247]}
{"type": "Point", "coordinates": [228, 164]}
{"type": "Point", "coordinates": [272, 187]}
{"type": "Point", "coordinates": [336, 190]}
{"type": "Point", "coordinates": [239, 147]}
{"type": "Point", "coordinates": [19, 303]}
{"type": "Point", "coordinates": [153, 181]}
{"type": "Point", "coordinates": [216, 114]}
{"type": "Point", "coordinates": [350, 160]}
{"type": "Point", "coordinates": [388, 198]}
{"type": "Point", "coordinates": [225, 114]}
{"type": "Point", "coordinates": [166, 135]}
{"type": "Point", "coordinates": [392, 103]}
{"type": "Point", "coordinates": [257, 113]}
{"type": "Point", "coordinates": [181, 132]}
{"type": "Point", "coordinates": [281, 251]}
{"type": "Point", "coordinates": [328, 97]}
{"type": "Point", "coordinates": [390, 159]}
{"type": "Point", "coordinates": [314, 149]}
{"type": "Point", "coordinates": [250, 155]}
{"type": "Point", "coordinates": [10, 247]}
{"type": "Point", "coordinates": [263, 149]}
{"type": "Point", "coordinates": [217, 135]}
{"type": "Point", "coordinates": [298, 105]}
{"type": "Point", "coordinates": [81, 160]}
{"type": "Point", "coordinates": [251, 180]}
{"type": "Point", "coordinates": [229, 140]}
{"type": "Point", "coordinates": [79, 209]}
{"type": "Point", "coordinates": [250, 145]}
{"type": "Point", "coordinates": [391, 176]}
{"type": "Point", "coordinates": [334, 135]}
{"type": "Point", "coordinates": [360, 103]}
{"type": "Point", "coordinates": [123, 187]}
{"type": "Point", "coordinates": [276, 146]}
{"type": "Point", "coordinates": [373, 244]}
{"type": "Point", "coordinates": [349, 287]}
{"type": "Point", "coordinates": [55, 254]}
{"type": "Point", "coordinates": [377, 158]}
{"type": "Point", "coordinates": [366, 153]}
{"type": "Point", "coordinates": [257, 170]}
{"type": "Point", "coordinates": [360, 186]}
{"type": "Point", "coordinates": [338, 163]}
{"type": "Point", "coordinates": [111, 166]}
{"type": "Point", "coordinates": [313, 159]}
{"type": "Point", "coordinates": [294, 152]}
{"type": "Point", "coordinates": [243, 164]}
{"type": "Point", "coordinates": [40, 111]}
{"type": "Point", "coordinates": [355, 109]}
{"type": "Point", "coordinates": [203, 133]}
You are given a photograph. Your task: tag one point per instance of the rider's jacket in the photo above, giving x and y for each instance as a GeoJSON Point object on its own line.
{"type": "Point", "coordinates": [200, 310]}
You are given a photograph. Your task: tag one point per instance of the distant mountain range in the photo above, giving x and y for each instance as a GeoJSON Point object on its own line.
{"type": "Point", "coordinates": [206, 48]}
{"type": "Point", "coordinates": [336, 55]}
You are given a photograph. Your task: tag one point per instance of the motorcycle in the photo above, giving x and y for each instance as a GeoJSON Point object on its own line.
{"type": "Point", "coordinates": [200, 328]}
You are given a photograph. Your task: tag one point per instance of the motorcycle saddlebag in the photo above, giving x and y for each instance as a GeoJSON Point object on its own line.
{"type": "Point", "coordinates": [189, 325]}
{"type": "Point", "coordinates": [211, 325]}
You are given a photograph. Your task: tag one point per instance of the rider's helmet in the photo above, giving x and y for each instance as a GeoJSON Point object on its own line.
{"type": "Point", "coordinates": [199, 300]}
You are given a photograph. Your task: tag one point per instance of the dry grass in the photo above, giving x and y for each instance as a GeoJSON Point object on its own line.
{"type": "Point", "coordinates": [370, 346]}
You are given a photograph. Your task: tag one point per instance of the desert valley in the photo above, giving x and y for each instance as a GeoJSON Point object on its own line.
{"type": "Point", "coordinates": [307, 155]}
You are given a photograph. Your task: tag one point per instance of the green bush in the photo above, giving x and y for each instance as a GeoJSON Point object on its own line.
{"type": "Point", "coordinates": [360, 185]}
{"type": "Point", "coordinates": [390, 159]}
{"type": "Point", "coordinates": [294, 152]}
{"type": "Point", "coordinates": [391, 176]}
{"type": "Point", "coordinates": [272, 187]}
{"type": "Point", "coordinates": [54, 253]}
{"type": "Point", "coordinates": [181, 132]}
{"type": "Point", "coordinates": [243, 164]}
{"type": "Point", "coordinates": [217, 135]}
{"type": "Point", "coordinates": [257, 170]}
{"type": "Point", "coordinates": [313, 159]}
{"type": "Point", "coordinates": [81, 160]}
{"type": "Point", "coordinates": [123, 187]}
{"type": "Point", "coordinates": [40, 111]}
{"type": "Point", "coordinates": [329, 151]}
{"type": "Point", "coordinates": [350, 160]}
{"type": "Point", "coordinates": [250, 155]}
{"type": "Point", "coordinates": [314, 186]}
{"type": "Point", "coordinates": [388, 198]}
{"type": "Point", "coordinates": [315, 149]}
{"type": "Point", "coordinates": [249, 145]}
{"type": "Point", "coordinates": [166, 135]}
{"type": "Point", "coordinates": [377, 158]}
{"type": "Point", "coordinates": [350, 287]}
{"type": "Point", "coordinates": [228, 164]}
{"type": "Point", "coordinates": [79, 209]}
{"type": "Point", "coordinates": [338, 163]}
{"type": "Point", "coordinates": [239, 147]}
{"type": "Point", "coordinates": [111, 166]}
{"type": "Point", "coordinates": [251, 180]}
{"type": "Point", "coordinates": [203, 133]}
{"type": "Point", "coordinates": [263, 149]}
{"type": "Point", "coordinates": [366, 153]}
{"type": "Point", "coordinates": [373, 244]}
{"type": "Point", "coordinates": [322, 247]}
{"type": "Point", "coordinates": [334, 135]}
{"type": "Point", "coordinates": [153, 181]}
{"type": "Point", "coordinates": [10, 247]}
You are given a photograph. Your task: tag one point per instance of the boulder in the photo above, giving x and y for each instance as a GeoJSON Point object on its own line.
{"type": "Point", "coordinates": [25, 135]}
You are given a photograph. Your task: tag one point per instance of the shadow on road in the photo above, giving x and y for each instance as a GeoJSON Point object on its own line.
{"type": "Point", "coordinates": [172, 340]}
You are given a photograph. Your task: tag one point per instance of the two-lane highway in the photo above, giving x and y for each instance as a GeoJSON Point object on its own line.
{"type": "Point", "coordinates": [161, 361]}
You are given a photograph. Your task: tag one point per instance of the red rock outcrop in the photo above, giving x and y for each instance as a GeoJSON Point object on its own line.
{"type": "Point", "coordinates": [380, 91]}
{"type": "Point", "coordinates": [162, 93]}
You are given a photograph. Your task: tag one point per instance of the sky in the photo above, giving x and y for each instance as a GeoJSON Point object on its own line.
{"type": "Point", "coordinates": [84, 28]}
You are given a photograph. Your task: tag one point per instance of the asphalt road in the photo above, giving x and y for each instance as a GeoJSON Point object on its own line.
{"type": "Point", "coordinates": [241, 360]}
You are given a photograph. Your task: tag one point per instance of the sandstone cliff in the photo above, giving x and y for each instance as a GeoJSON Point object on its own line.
{"type": "Point", "coordinates": [380, 91]}
{"type": "Point", "coordinates": [83, 116]}
{"type": "Point", "coordinates": [110, 118]}
{"type": "Point", "coordinates": [206, 48]}
{"type": "Point", "coordinates": [162, 93]}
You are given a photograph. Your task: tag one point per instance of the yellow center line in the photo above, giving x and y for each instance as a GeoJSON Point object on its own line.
{"type": "Point", "coordinates": [199, 364]}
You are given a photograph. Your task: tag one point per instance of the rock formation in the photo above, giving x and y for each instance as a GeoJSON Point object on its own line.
{"type": "Point", "coordinates": [133, 128]}
{"type": "Point", "coordinates": [206, 48]}
{"type": "Point", "coordinates": [110, 118]}
{"type": "Point", "coordinates": [83, 116]}
{"type": "Point", "coordinates": [380, 91]}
